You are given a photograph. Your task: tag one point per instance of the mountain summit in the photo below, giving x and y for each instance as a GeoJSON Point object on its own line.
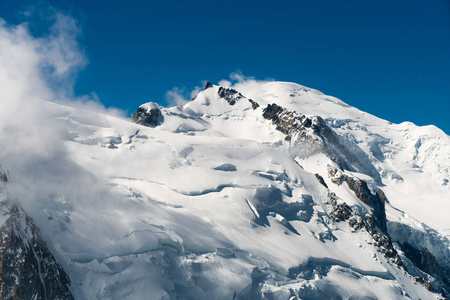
{"type": "Point", "coordinates": [262, 190]}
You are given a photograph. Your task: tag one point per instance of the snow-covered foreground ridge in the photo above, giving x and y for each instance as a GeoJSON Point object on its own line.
{"type": "Point", "coordinates": [267, 190]}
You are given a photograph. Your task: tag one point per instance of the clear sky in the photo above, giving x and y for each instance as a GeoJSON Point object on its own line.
{"type": "Point", "coordinates": [389, 58]}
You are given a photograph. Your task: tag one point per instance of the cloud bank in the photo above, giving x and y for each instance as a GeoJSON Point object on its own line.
{"type": "Point", "coordinates": [28, 68]}
{"type": "Point", "coordinates": [35, 71]}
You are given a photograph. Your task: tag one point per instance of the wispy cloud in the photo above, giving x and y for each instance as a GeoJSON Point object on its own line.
{"type": "Point", "coordinates": [238, 76]}
{"type": "Point", "coordinates": [180, 96]}
{"type": "Point", "coordinates": [176, 97]}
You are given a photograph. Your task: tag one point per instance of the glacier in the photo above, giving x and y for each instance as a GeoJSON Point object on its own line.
{"type": "Point", "coordinates": [262, 190]}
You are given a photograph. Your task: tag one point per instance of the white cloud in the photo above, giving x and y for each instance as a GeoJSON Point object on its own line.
{"type": "Point", "coordinates": [240, 77]}
{"type": "Point", "coordinates": [35, 70]}
{"type": "Point", "coordinates": [60, 48]}
{"type": "Point", "coordinates": [196, 90]}
{"type": "Point", "coordinates": [176, 97]}
{"type": "Point", "coordinates": [180, 96]}
{"type": "Point", "coordinates": [225, 83]}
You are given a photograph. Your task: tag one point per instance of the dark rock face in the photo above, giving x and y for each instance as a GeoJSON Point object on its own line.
{"type": "Point", "coordinates": [426, 262]}
{"type": "Point", "coordinates": [208, 85]}
{"type": "Point", "coordinates": [230, 95]}
{"type": "Point", "coordinates": [3, 177]}
{"type": "Point", "coordinates": [340, 210]}
{"type": "Point", "coordinates": [255, 105]}
{"type": "Point", "coordinates": [427, 285]}
{"type": "Point", "coordinates": [362, 192]}
{"type": "Point", "coordinates": [384, 244]}
{"type": "Point", "coordinates": [359, 187]}
{"type": "Point", "coordinates": [356, 222]}
{"type": "Point", "coordinates": [27, 268]}
{"type": "Point", "coordinates": [150, 117]}
{"type": "Point", "coordinates": [320, 178]}
{"type": "Point", "coordinates": [285, 121]}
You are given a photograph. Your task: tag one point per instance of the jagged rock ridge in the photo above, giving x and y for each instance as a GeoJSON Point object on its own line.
{"type": "Point", "coordinates": [27, 268]}
{"type": "Point", "coordinates": [313, 135]}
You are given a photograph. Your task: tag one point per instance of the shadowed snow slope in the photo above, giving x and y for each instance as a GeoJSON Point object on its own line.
{"type": "Point", "coordinates": [223, 201]}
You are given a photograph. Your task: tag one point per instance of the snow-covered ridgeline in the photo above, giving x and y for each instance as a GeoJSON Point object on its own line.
{"type": "Point", "coordinates": [219, 199]}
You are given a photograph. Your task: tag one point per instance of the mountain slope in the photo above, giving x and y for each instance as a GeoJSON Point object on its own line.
{"type": "Point", "coordinates": [263, 190]}
{"type": "Point", "coordinates": [27, 268]}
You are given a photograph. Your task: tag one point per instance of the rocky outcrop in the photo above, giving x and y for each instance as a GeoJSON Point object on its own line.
{"type": "Point", "coordinates": [384, 245]}
{"type": "Point", "coordinates": [426, 262]}
{"type": "Point", "coordinates": [375, 223]}
{"type": "Point", "coordinates": [311, 135]}
{"type": "Point", "coordinates": [288, 122]}
{"type": "Point", "coordinates": [362, 192]}
{"type": "Point", "coordinates": [320, 178]}
{"type": "Point", "coordinates": [426, 250]}
{"type": "Point", "coordinates": [3, 177]}
{"type": "Point", "coordinates": [230, 95]}
{"type": "Point", "coordinates": [148, 114]}
{"type": "Point", "coordinates": [254, 104]}
{"type": "Point", "coordinates": [341, 212]}
{"type": "Point", "coordinates": [27, 268]}
{"type": "Point", "coordinates": [208, 85]}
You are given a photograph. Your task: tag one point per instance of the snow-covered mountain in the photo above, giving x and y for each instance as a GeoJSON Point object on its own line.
{"type": "Point", "coordinates": [263, 190]}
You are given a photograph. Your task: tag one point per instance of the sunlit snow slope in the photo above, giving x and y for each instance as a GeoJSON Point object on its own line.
{"type": "Point", "coordinates": [225, 198]}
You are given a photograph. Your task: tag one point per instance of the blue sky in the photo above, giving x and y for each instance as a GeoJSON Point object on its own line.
{"type": "Point", "coordinates": [389, 58]}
